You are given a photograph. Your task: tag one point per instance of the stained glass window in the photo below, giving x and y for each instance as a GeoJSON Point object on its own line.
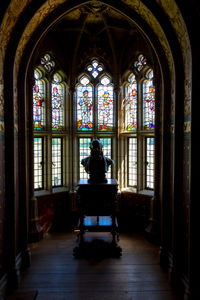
{"type": "Point", "coordinates": [38, 102]}
{"type": "Point", "coordinates": [150, 154]}
{"type": "Point", "coordinates": [149, 102]}
{"type": "Point", "coordinates": [107, 151]}
{"type": "Point", "coordinates": [38, 163]}
{"type": "Point", "coordinates": [95, 68]}
{"type": "Point", "coordinates": [84, 151]}
{"type": "Point", "coordinates": [130, 103]}
{"type": "Point", "coordinates": [140, 62]}
{"type": "Point", "coordinates": [57, 103]}
{"type": "Point", "coordinates": [47, 62]}
{"type": "Point", "coordinates": [132, 161]}
{"type": "Point", "coordinates": [56, 162]}
{"type": "Point", "coordinates": [139, 118]}
{"type": "Point", "coordinates": [84, 105]}
{"type": "Point", "coordinates": [105, 104]}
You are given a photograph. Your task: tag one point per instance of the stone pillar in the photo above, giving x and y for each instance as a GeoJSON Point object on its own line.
{"type": "Point", "coordinates": [35, 231]}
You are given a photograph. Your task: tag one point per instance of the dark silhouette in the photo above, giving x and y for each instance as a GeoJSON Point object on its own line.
{"type": "Point", "coordinates": [96, 165]}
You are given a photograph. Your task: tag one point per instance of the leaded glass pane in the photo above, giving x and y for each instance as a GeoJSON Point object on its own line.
{"type": "Point", "coordinates": [94, 74]}
{"type": "Point", "coordinates": [148, 104]}
{"type": "Point", "coordinates": [130, 103]}
{"type": "Point", "coordinates": [95, 68]}
{"type": "Point", "coordinates": [140, 62]}
{"type": "Point", "coordinates": [105, 105]}
{"type": "Point", "coordinates": [47, 62]}
{"type": "Point", "coordinates": [56, 162]}
{"type": "Point", "coordinates": [132, 161]}
{"type": "Point", "coordinates": [38, 163]}
{"type": "Point", "coordinates": [150, 156]}
{"type": "Point", "coordinates": [107, 151]}
{"type": "Point", "coordinates": [84, 151]}
{"type": "Point", "coordinates": [57, 105]}
{"type": "Point", "coordinates": [84, 106]}
{"type": "Point", "coordinates": [38, 104]}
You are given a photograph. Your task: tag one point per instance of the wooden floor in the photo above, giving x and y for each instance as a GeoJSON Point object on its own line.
{"type": "Point", "coordinates": [56, 274]}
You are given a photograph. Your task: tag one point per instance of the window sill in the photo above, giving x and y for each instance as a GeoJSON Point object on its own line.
{"type": "Point", "coordinates": [54, 191]}
{"type": "Point", "coordinates": [146, 192]}
{"type": "Point", "coordinates": [41, 193]}
{"type": "Point", "coordinates": [60, 189]}
{"type": "Point", "coordinates": [129, 189]}
{"type": "Point", "coordinates": [134, 190]}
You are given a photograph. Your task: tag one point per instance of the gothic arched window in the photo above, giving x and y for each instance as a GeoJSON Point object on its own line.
{"type": "Point", "coordinates": [130, 103]}
{"type": "Point", "coordinates": [105, 104]}
{"type": "Point", "coordinates": [148, 101]}
{"type": "Point", "coordinates": [57, 102]}
{"type": "Point", "coordinates": [94, 111]}
{"type": "Point", "coordinates": [139, 124]}
{"type": "Point", "coordinates": [39, 101]}
{"type": "Point", "coordinates": [65, 123]}
{"type": "Point", "coordinates": [84, 104]}
{"type": "Point", "coordinates": [49, 128]}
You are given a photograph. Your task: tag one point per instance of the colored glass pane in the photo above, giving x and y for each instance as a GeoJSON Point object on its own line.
{"type": "Point", "coordinates": [148, 104]}
{"type": "Point", "coordinates": [38, 104]}
{"type": "Point", "coordinates": [84, 151]}
{"type": "Point", "coordinates": [150, 156]}
{"type": "Point", "coordinates": [56, 162]}
{"type": "Point", "coordinates": [38, 163]}
{"type": "Point", "coordinates": [132, 161]}
{"type": "Point", "coordinates": [95, 68]}
{"type": "Point", "coordinates": [105, 105]}
{"type": "Point", "coordinates": [47, 62]}
{"type": "Point", "coordinates": [107, 151]}
{"type": "Point", "coordinates": [130, 103]}
{"type": "Point", "coordinates": [57, 96]}
{"type": "Point", "coordinates": [140, 63]}
{"type": "Point", "coordinates": [84, 106]}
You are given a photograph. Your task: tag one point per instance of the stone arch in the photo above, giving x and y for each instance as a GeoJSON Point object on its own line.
{"type": "Point", "coordinates": [15, 12]}
{"type": "Point", "coordinates": [144, 15]}
{"type": "Point", "coordinates": [160, 22]}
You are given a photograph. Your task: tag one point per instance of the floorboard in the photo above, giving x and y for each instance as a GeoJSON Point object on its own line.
{"type": "Point", "coordinates": [57, 275]}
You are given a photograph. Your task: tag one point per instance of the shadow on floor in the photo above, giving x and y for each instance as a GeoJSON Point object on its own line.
{"type": "Point", "coordinates": [97, 249]}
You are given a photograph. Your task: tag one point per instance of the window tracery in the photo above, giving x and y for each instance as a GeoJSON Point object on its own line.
{"type": "Point", "coordinates": [47, 62]}
{"type": "Point", "coordinates": [140, 62]}
{"type": "Point", "coordinates": [95, 68]}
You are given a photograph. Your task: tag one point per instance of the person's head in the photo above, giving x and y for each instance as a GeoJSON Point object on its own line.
{"type": "Point", "coordinates": [96, 147]}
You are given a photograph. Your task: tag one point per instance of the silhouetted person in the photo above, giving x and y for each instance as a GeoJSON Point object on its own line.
{"type": "Point", "coordinates": [96, 165]}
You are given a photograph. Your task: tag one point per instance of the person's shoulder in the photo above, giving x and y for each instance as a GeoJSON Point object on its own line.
{"type": "Point", "coordinates": [85, 160]}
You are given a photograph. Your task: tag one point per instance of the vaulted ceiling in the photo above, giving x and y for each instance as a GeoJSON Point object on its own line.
{"type": "Point", "coordinates": [95, 30]}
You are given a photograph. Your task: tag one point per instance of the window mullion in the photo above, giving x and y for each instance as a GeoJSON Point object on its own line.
{"type": "Point", "coordinates": [49, 140]}
{"type": "Point", "coordinates": [95, 112]}
{"type": "Point", "coordinates": [139, 138]}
